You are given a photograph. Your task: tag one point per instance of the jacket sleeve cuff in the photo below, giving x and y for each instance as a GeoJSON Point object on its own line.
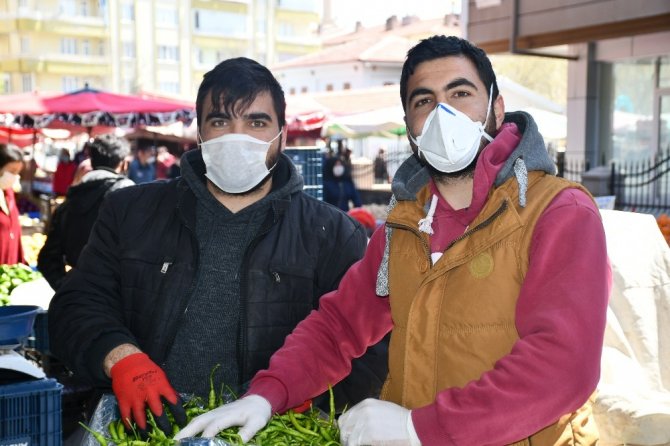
{"type": "Point", "coordinates": [426, 421]}
{"type": "Point", "coordinates": [98, 350]}
{"type": "Point", "coordinates": [272, 390]}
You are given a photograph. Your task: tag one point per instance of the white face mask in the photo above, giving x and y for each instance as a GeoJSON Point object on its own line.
{"type": "Point", "coordinates": [450, 140]}
{"type": "Point", "coordinates": [235, 162]}
{"type": "Point", "coordinates": [8, 179]}
{"type": "Point", "coordinates": [338, 170]}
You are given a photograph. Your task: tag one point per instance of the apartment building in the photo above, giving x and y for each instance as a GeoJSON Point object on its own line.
{"type": "Point", "coordinates": [158, 46]}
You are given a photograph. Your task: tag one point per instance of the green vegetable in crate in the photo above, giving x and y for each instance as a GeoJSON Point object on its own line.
{"type": "Point", "coordinates": [12, 276]}
{"type": "Point", "coordinates": [310, 428]}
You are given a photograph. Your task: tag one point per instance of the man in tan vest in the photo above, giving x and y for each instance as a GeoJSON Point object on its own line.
{"type": "Point", "coordinates": [490, 273]}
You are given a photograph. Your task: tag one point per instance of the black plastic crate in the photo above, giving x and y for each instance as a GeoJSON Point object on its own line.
{"type": "Point", "coordinates": [309, 163]}
{"type": "Point", "coordinates": [30, 413]}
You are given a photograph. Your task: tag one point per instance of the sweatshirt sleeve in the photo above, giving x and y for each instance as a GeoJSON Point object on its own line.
{"type": "Point", "coordinates": [555, 365]}
{"type": "Point", "coordinates": [319, 351]}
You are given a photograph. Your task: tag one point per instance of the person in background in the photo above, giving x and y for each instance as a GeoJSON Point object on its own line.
{"type": "Point", "coordinates": [164, 161]}
{"type": "Point", "coordinates": [338, 185]}
{"type": "Point", "coordinates": [142, 168]}
{"type": "Point", "coordinates": [175, 168]}
{"type": "Point", "coordinates": [83, 161]}
{"type": "Point", "coordinates": [490, 274]}
{"type": "Point", "coordinates": [380, 168]}
{"type": "Point", "coordinates": [234, 240]}
{"type": "Point", "coordinates": [64, 174]}
{"type": "Point", "coordinates": [73, 220]}
{"type": "Point", "coordinates": [11, 163]}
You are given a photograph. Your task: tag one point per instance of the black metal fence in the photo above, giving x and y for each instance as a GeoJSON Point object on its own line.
{"type": "Point", "coordinates": [571, 169]}
{"type": "Point", "coordinates": [642, 186]}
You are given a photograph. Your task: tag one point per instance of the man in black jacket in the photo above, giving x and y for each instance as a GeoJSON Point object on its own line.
{"type": "Point", "coordinates": [215, 267]}
{"type": "Point", "coordinates": [72, 221]}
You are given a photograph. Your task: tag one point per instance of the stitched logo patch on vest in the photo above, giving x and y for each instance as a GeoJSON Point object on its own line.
{"type": "Point", "coordinates": [482, 265]}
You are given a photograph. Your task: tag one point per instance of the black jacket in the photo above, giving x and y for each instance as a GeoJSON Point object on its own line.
{"type": "Point", "coordinates": [72, 221]}
{"type": "Point", "coordinates": [135, 276]}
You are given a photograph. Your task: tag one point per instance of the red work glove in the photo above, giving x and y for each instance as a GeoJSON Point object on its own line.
{"type": "Point", "coordinates": [303, 407]}
{"type": "Point", "coordinates": [137, 381]}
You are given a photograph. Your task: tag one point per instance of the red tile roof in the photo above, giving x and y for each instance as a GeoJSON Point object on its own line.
{"type": "Point", "coordinates": [375, 44]}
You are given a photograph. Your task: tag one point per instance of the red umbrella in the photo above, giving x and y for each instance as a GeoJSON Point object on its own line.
{"type": "Point", "coordinates": [31, 103]}
{"type": "Point", "coordinates": [88, 100]}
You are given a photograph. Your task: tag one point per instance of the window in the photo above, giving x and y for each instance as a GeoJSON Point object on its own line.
{"type": "Point", "coordinates": [128, 49]}
{"type": "Point", "coordinates": [329, 87]}
{"type": "Point", "coordinates": [26, 82]}
{"type": "Point", "coordinates": [84, 8]}
{"type": "Point", "coordinates": [69, 83]}
{"type": "Point", "coordinates": [68, 45]}
{"type": "Point", "coordinates": [68, 7]}
{"type": "Point", "coordinates": [291, 90]}
{"type": "Point", "coordinates": [346, 86]}
{"type": "Point", "coordinates": [101, 49]}
{"type": "Point", "coordinates": [664, 72]}
{"type": "Point", "coordinates": [220, 22]}
{"type": "Point", "coordinates": [168, 53]}
{"type": "Point", "coordinates": [632, 99]}
{"type": "Point", "coordinates": [23, 3]}
{"type": "Point", "coordinates": [299, 5]}
{"type": "Point", "coordinates": [25, 45]}
{"type": "Point", "coordinates": [303, 90]}
{"type": "Point", "coordinates": [85, 47]}
{"type": "Point", "coordinates": [5, 84]}
{"type": "Point", "coordinates": [286, 30]}
{"type": "Point", "coordinates": [128, 11]}
{"type": "Point", "coordinates": [128, 86]}
{"type": "Point", "coordinates": [166, 16]}
{"type": "Point", "coordinates": [168, 87]}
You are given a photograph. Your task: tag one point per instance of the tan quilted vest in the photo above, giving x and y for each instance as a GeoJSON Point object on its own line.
{"type": "Point", "coordinates": [449, 327]}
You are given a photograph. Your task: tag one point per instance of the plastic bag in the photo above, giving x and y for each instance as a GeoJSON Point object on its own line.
{"type": "Point", "coordinates": [107, 411]}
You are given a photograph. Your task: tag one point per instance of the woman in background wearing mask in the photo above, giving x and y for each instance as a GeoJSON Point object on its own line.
{"type": "Point", "coordinates": [11, 163]}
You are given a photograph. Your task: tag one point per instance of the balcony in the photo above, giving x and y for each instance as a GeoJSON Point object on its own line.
{"type": "Point", "coordinates": [68, 64]}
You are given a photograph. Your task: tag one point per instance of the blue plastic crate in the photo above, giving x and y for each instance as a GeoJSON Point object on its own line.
{"type": "Point", "coordinates": [30, 413]}
{"type": "Point", "coordinates": [309, 161]}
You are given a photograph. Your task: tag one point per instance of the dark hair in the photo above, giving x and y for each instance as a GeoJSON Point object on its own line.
{"type": "Point", "coordinates": [436, 47]}
{"type": "Point", "coordinates": [9, 154]}
{"type": "Point", "coordinates": [108, 151]}
{"type": "Point", "coordinates": [239, 80]}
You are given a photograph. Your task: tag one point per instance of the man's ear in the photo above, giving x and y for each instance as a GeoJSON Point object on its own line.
{"type": "Point", "coordinates": [499, 110]}
{"type": "Point", "coordinates": [284, 136]}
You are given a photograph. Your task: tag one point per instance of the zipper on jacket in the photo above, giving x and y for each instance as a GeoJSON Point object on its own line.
{"type": "Point", "coordinates": [244, 273]}
{"type": "Point", "coordinates": [170, 337]}
{"type": "Point", "coordinates": [415, 231]}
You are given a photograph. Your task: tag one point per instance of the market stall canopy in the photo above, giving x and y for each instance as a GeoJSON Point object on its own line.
{"type": "Point", "coordinates": [305, 116]}
{"type": "Point", "coordinates": [89, 107]}
{"type": "Point", "coordinates": [18, 136]}
{"type": "Point", "coordinates": [31, 103]}
{"type": "Point", "coordinates": [387, 122]}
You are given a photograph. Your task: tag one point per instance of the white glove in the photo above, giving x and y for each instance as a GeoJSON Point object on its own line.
{"type": "Point", "coordinates": [375, 422]}
{"type": "Point", "coordinates": [251, 413]}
